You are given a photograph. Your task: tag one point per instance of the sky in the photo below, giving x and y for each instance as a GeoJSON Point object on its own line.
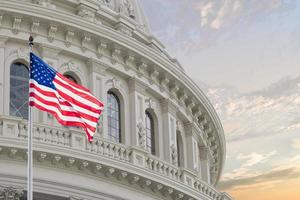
{"type": "Point", "coordinates": [245, 55]}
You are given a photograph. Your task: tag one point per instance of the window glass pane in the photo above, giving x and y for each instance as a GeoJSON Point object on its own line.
{"type": "Point", "coordinates": [113, 115]}
{"type": "Point", "coordinates": [18, 105]}
{"type": "Point", "coordinates": [150, 140]}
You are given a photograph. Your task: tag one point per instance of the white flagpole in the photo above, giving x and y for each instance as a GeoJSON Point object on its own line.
{"type": "Point", "coordinates": [29, 172]}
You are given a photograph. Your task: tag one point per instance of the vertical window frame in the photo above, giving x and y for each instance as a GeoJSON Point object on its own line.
{"type": "Point", "coordinates": [13, 79]}
{"type": "Point", "coordinates": [114, 122]}
{"type": "Point", "coordinates": [150, 132]}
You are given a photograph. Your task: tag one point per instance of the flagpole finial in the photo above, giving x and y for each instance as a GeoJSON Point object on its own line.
{"type": "Point", "coordinates": [30, 41]}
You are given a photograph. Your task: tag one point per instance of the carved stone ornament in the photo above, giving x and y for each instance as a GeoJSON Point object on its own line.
{"type": "Point", "coordinates": [107, 3]}
{"type": "Point", "coordinates": [45, 3]}
{"type": "Point", "coordinates": [16, 25]}
{"type": "Point", "coordinates": [141, 134]}
{"type": "Point", "coordinates": [86, 13]}
{"type": "Point", "coordinates": [10, 193]}
{"type": "Point", "coordinates": [150, 103]}
{"type": "Point", "coordinates": [115, 83]}
{"type": "Point", "coordinates": [127, 9]}
{"type": "Point", "coordinates": [21, 53]}
{"type": "Point", "coordinates": [174, 154]}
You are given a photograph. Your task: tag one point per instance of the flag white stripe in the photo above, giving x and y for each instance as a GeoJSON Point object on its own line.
{"type": "Point", "coordinates": [61, 116]}
{"type": "Point", "coordinates": [75, 96]}
{"type": "Point", "coordinates": [74, 88]}
{"type": "Point", "coordinates": [74, 108]}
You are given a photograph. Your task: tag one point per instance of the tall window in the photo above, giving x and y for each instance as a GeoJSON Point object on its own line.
{"type": "Point", "coordinates": [113, 117]}
{"type": "Point", "coordinates": [19, 76]}
{"type": "Point", "coordinates": [150, 138]}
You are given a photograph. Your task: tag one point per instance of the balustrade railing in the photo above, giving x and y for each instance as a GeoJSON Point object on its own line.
{"type": "Point", "coordinates": [16, 128]}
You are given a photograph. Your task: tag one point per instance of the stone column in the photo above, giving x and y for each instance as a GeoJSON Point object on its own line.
{"type": "Point", "coordinates": [97, 86]}
{"type": "Point", "coordinates": [204, 164]}
{"type": "Point", "coordinates": [192, 146]}
{"type": "Point", "coordinates": [169, 131]}
{"type": "Point", "coordinates": [137, 114]}
{"type": "Point", "coordinates": [2, 64]}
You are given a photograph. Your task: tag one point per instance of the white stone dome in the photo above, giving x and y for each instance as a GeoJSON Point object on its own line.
{"type": "Point", "coordinates": [159, 137]}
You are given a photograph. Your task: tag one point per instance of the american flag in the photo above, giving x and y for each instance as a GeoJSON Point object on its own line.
{"type": "Point", "coordinates": [71, 104]}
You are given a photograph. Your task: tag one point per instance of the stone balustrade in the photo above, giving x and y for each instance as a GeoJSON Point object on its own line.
{"type": "Point", "coordinates": [16, 129]}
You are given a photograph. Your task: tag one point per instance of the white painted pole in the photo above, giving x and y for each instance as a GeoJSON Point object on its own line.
{"type": "Point", "coordinates": [29, 172]}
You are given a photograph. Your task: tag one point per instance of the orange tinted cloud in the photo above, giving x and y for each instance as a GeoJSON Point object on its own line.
{"type": "Point", "coordinates": [277, 190]}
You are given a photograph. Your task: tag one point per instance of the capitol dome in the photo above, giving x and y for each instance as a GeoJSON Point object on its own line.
{"type": "Point", "coordinates": [158, 137]}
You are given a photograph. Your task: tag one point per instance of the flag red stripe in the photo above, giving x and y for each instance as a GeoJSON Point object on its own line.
{"type": "Point", "coordinates": [72, 83]}
{"type": "Point", "coordinates": [48, 93]}
{"type": "Point", "coordinates": [63, 122]}
{"type": "Point", "coordinates": [81, 94]}
{"type": "Point", "coordinates": [64, 112]}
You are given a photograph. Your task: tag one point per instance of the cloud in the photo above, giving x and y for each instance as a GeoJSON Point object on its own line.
{"type": "Point", "coordinates": [271, 111]}
{"type": "Point", "coordinates": [216, 14]}
{"type": "Point", "coordinates": [296, 144]}
{"type": "Point", "coordinates": [275, 175]}
{"type": "Point", "coordinates": [255, 158]}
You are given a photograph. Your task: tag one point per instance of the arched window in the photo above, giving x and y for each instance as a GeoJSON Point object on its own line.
{"type": "Point", "coordinates": [113, 117]}
{"type": "Point", "coordinates": [70, 78]}
{"type": "Point", "coordinates": [19, 77]}
{"type": "Point", "coordinates": [150, 138]}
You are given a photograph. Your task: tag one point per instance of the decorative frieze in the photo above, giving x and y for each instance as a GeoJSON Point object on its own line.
{"type": "Point", "coordinates": [52, 32]}
{"type": "Point", "coordinates": [42, 156]}
{"type": "Point", "coordinates": [134, 179]}
{"type": "Point", "coordinates": [153, 76]}
{"type": "Point", "coordinates": [86, 39]}
{"type": "Point", "coordinates": [141, 69]}
{"type": "Point", "coordinates": [45, 3]}
{"type": "Point", "coordinates": [122, 175]}
{"type": "Point", "coordinates": [86, 12]}
{"type": "Point", "coordinates": [56, 159]}
{"type": "Point", "coordinates": [83, 165]}
{"type": "Point", "coordinates": [101, 49]}
{"type": "Point", "coordinates": [109, 172]}
{"type": "Point", "coordinates": [182, 98]}
{"type": "Point", "coordinates": [97, 168]}
{"type": "Point", "coordinates": [164, 83]}
{"type": "Point", "coordinates": [12, 153]}
{"type": "Point", "coordinates": [16, 25]}
{"type": "Point", "coordinates": [150, 103]}
{"type": "Point", "coordinates": [126, 8]}
{"type": "Point", "coordinates": [129, 62]}
{"type": "Point", "coordinates": [10, 193]}
{"type": "Point", "coordinates": [69, 36]}
{"type": "Point", "coordinates": [124, 29]}
{"type": "Point", "coordinates": [115, 56]}
{"type": "Point", "coordinates": [35, 27]}
{"type": "Point", "coordinates": [70, 162]}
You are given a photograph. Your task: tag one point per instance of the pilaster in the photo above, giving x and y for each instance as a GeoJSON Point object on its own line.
{"type": "Point", "coordinates": [169, 129]}
{"type": "Point", "coordinates": [204, 164]}
{"type": "Point", "coordinates": [137, 115]}
{"type": "Point", "coordinates": [3, 40]}
{"type": "Point", "coordinates": [192, 146]}
{"type": "Point", "coordinates": [97, 77]}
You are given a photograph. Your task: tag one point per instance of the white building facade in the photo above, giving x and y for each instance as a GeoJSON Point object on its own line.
{"type": "Point", "coordinates": [159, 136]}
